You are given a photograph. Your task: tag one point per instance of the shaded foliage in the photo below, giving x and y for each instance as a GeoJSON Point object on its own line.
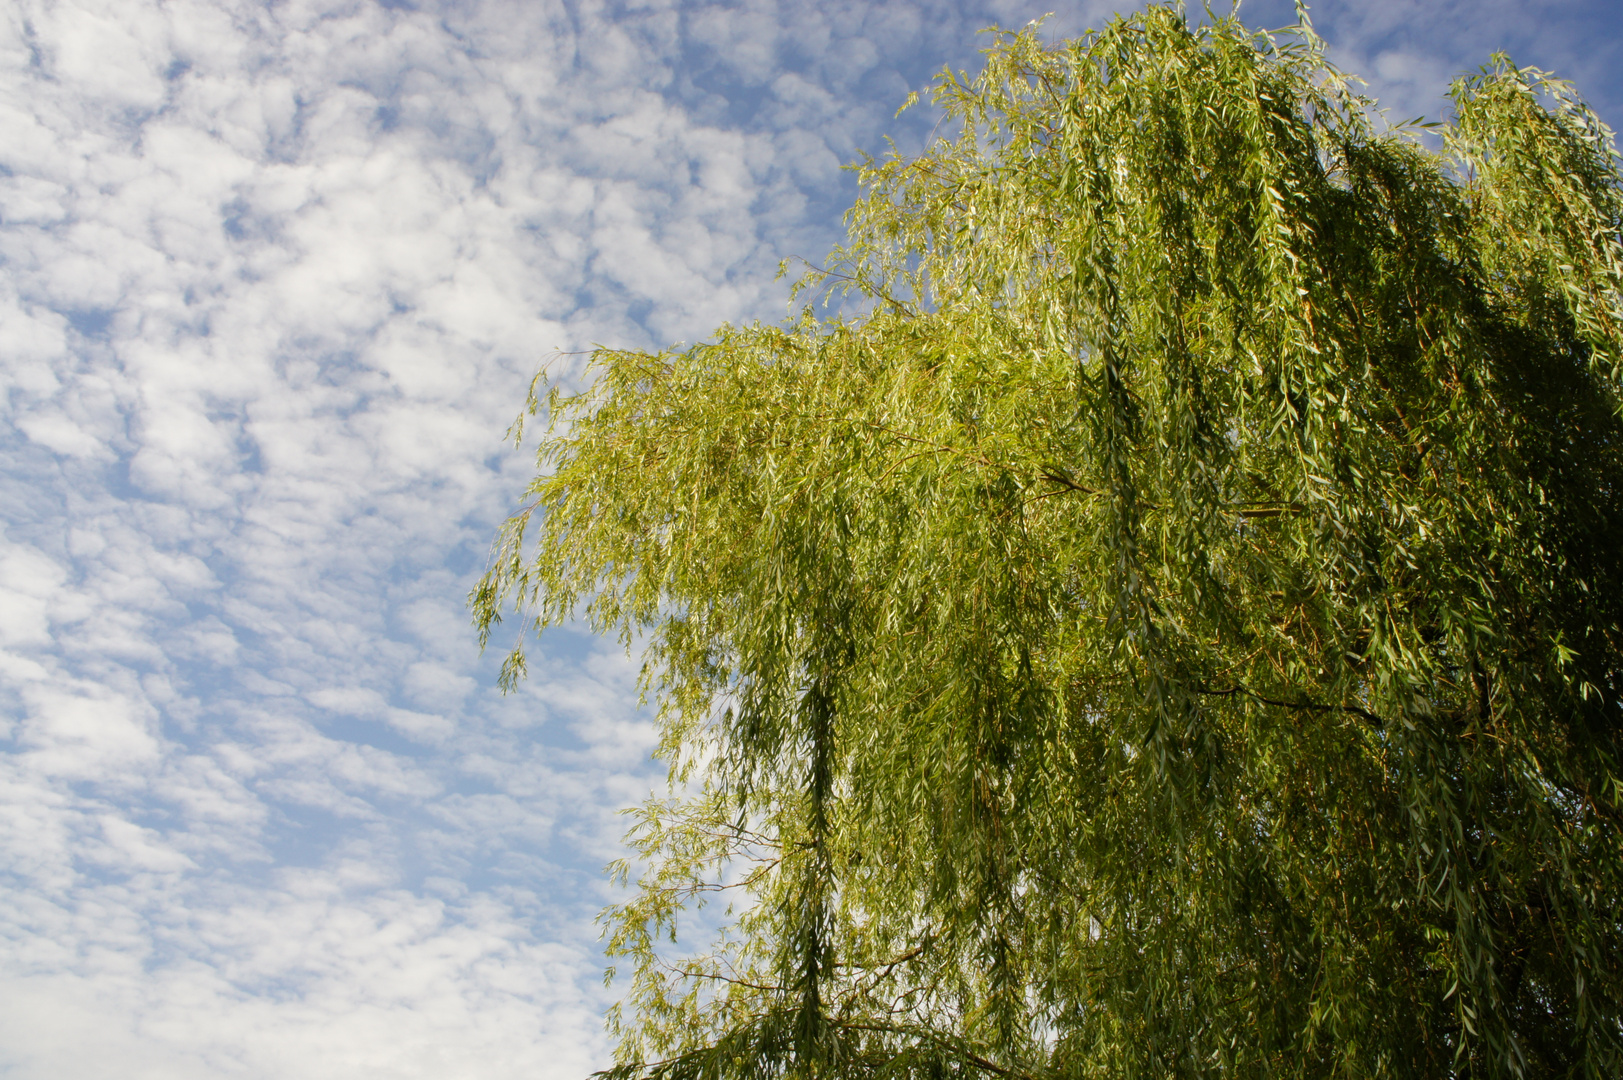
{"type": "Point", "coordinates": [1176, 631]}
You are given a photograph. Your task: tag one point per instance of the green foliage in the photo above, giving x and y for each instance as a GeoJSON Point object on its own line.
{"type": "Point", "coordinates": [1176, 631]}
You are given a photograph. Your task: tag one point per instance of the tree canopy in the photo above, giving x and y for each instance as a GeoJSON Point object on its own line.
{"type": "Point", "coordinates": [1173, 627]}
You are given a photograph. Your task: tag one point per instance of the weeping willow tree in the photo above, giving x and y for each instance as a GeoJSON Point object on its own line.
{"type": "Point", "coordinates": [1176, 628]}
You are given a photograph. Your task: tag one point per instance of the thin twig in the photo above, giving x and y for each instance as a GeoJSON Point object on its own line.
{"type": "Point", "coordinates": [1310, 706]}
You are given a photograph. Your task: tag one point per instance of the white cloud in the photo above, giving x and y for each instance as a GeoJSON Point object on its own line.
{"type": "Point", "coordinates": [28, 579]}
{"type": "Point", "coordinates": [302, 979]}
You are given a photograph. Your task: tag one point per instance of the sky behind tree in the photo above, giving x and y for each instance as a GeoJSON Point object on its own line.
{"type": "Point", "coordinates": [276, 277]}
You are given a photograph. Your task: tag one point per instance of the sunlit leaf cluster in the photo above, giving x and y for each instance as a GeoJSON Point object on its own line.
{"type": "Point", "coordinates": [1175, 629]}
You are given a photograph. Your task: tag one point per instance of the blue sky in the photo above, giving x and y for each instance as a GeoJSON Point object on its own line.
{"type": "Point", "coordinates": [275, 278]}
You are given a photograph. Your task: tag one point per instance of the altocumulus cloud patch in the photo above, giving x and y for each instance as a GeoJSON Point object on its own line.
{"type": "Point", "coordinates": [275, 279]}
